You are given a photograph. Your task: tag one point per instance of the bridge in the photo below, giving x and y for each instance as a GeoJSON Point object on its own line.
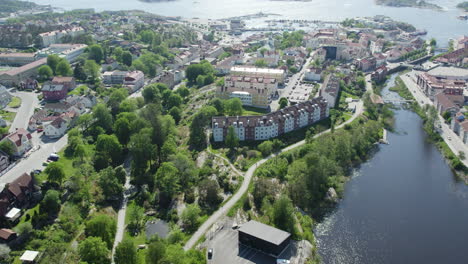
{"type": "Point", "coordinates": [391, 101]}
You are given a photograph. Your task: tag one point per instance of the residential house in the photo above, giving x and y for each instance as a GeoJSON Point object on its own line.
{"type": "Point", "coordinates": [5, 97]}
{"type": "Point", "coordinates": [7, 235]}
{"type": "Point", "coordinates": [459, 125]}
{"type": "Point", "coordinates": [16, 195]}
{"type": "Point", "coordinates": [454, 58]}
{"type": "Point", "coordinates": [366, 64]}
{"type": "Point", "coordinates": [21, 141]}
{"type": "Point", "coordinates": [54, 92]}
{"type": "Point", "coordinates": [134, 81]}
{"type": "Point", "coordinates": [379, 74]}
{"type": "Point", "coordinates": [56, 128]}
{"type": "Point", "coordinates": [432, 85]}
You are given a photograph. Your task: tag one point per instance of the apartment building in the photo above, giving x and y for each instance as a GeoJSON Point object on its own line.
{"type": "Point", "coordinates": [54, 37]}
{"type": "Point", "coordinates": [17, 59]}
{"type": "Point", "coordinates": [277, 74]}
{"type": "Point", "coordinates": [132, 80]}
{"type": "Point", "coordinates": [432, 85]}
{"type": "Point", "coordinates": [253, 91]}
{"type": "Point", "coordinates": [330, 90]}
{"type": "Point", "coordinates": [273, 124]}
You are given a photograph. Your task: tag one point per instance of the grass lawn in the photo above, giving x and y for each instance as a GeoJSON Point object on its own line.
{"type": "Point", "coordinates": [253, 111]}
{"type": "Point", "coordinates": [82, 89]}
{"type": "Point", "coordinates": [15, 102]}
{"type": "Point", "coordinates": [8, 116]}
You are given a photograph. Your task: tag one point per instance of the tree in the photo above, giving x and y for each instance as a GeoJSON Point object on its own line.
{"type": "Point", "coordinates": [79, 72]}
{"type": "Point", "coordinates": [110, 185]}
{"type": "Point", "coordinates": [125, 253]}
{"type": "Point", "coordinates": [174, 101]}
{"type": "Point", "coordinates": [167, 180]}
{"type": "Point", "coordinates": [233, 107]}
{"type": "Point", "coordinates": [218, 104]}
{"type": "Point", "coordinates": [190, 217]}
{"type": "Point", "coordinates": [102, 226]}
{"type": "Point", "coordinates": [433, 42]}
{"type": "Point", "coordinates": [283, 214]}
{"type": "Point", "coordinates": [176, 113]}
{"type": "Point", "coordinates": [24, 228]}
{"type": "Point", "coordinates": [55, 172]}
{"type": "Point", "coordinates": [187, 169]}
{"type": "Point", "coordinates": [122, 130]}
{"type": "Point", "coordinates": [96, 53]}
{"type": "Point", "coordinates": [7, 147]}
{"type": "Point", "coordinates": [156, 252]}
{"type": "Point", "coordinates": [136, 216]}
{"type": "Point", "coordinates": [231, 141]}
{"type": "Point", "coordinates": [151, 94]}
{"type": "Point", "coordinates": [283, 102]}
{"type": "Point", "coordinates": [197, 127]}
{"type": "Point", "coordinates": [261, 63]}
{"type": "Point", "coordinates": [266, 148]}
{"type": "Point", "coordinates": [91, 68]}
{"type": "Point", "coordinates": [127, 58]}
{"type": "Point", "coordinates": [63, 68]}
{"type": "Point", "coordinates": [103, 117]}
{"type": "Point", "coordinates": [45, 72]}
{"type": "Point", "coordinates": [183, 91]}
{"type": "Point", "coordinates": [169, 148]}
{"type": "Point", "coordinates": [209, 193]}
{"type": "Point", "coordinates": [94, 251]}
{"type": "Point", "coordinates": [53, 60]}
{"type": "Point", "coordinates": [118, 52]}
{"type": "Point", "coordinates": [109, 146]}
{"type": "Point", "coordinates": [51, 202]}
{"type": "Point", "coordinates": [4, 251]}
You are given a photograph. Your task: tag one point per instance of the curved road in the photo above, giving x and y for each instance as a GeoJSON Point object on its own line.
{"type": "Point", "coordinates": [247, 179]}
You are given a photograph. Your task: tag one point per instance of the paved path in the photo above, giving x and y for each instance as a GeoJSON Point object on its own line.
{"type": "Point", "coordinates": [453, 140]}
{"type": "Point", "coordinates": [119, 234]}
{"type": "Point", "coordinates": [247, 179]}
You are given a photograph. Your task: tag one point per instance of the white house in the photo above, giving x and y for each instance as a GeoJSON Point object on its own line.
{"type": "Point", "coordinates": [56, 128]}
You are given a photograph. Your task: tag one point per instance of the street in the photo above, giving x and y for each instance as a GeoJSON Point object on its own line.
{"type": "Point", "coordinates": [453, 140]}
{"type": "Point", "coordinates": [35, 160]}
{"type": "Point", "coordinates": [29, 102]}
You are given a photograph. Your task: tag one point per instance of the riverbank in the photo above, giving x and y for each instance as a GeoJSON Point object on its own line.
{"type": "Point", "coordinates": [429, 116]}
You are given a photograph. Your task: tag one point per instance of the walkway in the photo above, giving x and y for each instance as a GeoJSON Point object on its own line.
{"type": "Point", "coordinates": [247, 179]}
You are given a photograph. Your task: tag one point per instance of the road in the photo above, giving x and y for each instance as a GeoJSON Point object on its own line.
{"type": "Point", "coordinates": [453, 140]}
{"type": "Point", "coordinates": [34, 160]}
{"type": "Point", "coordinates": [29, 101]}
{"type": "Point", "coordinates": [247, 179]}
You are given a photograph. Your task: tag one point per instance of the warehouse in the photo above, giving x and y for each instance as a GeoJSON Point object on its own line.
{"type": "Point", "coordinates": [264, 238]}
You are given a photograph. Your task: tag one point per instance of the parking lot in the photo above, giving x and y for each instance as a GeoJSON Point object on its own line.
{"type": "Point", "coordinates": [226, 250]}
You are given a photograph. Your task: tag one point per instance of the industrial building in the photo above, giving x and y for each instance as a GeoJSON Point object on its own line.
{"type": "Point", "coordinates": [267, 239]}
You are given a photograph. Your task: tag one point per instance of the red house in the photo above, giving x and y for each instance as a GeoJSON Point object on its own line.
{"type": "Point", "coordinates": [16, 194]}
{"type": "Point", "coordinates": [58, 88]}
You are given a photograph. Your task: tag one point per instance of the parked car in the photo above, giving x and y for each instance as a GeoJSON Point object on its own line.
{"type": "Point", "coordinates": [53, 157]}
{"type": "Point", "coordinates": [283, 261]}
{"type": "Point", "coordinates": [39, 130]}
{"type": "Point", "coordinates": [210, 253]}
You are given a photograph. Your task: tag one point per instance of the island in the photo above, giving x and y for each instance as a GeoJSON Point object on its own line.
{"type": "Point", "coordinates": [408, 3]}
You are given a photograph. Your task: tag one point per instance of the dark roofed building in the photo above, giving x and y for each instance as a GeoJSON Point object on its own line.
{"type": "Point", "coordinates": [265, 238]}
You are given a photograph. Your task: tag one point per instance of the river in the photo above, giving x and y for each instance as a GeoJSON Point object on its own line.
{"type": "Point", "coordinates": [440, 25]}
{"type": "Point", "coordinates": [402, 206]}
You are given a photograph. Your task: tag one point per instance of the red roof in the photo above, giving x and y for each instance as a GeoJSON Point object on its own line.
{"type": "Point", "coordinates": [18, 135]}
{"type": "Point", "coordinates": [5, 233]}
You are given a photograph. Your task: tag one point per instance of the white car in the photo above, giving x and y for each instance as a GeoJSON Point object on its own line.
{"type": "Point", "coordinates": [283, 261]}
